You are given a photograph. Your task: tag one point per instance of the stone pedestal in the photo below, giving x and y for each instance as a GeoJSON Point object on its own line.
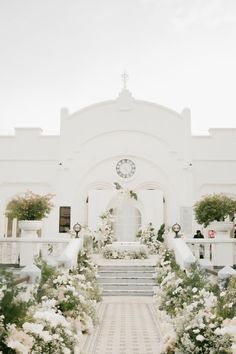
{"type": "Point", "coordinates": [223, 253]}
{"type": "Point", "coordinates": [222, 228]}
{"type": "Point", "coordinates": [29, 228]}
{"type": "Point", "coordinates": [28, 251]}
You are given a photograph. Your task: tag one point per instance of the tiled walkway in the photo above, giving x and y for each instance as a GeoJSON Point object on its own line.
{"type": "Point", "coordinates": [127, 326]}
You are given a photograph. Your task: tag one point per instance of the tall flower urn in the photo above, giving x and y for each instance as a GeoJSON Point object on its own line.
{"type": "Point", "coordinates": [29, 228]}
{"type": "Point", "coordinates": [29, 209]}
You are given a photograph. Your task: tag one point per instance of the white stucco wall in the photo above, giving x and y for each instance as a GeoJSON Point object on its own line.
{"type": "Point", "coordinates": [83, 158]}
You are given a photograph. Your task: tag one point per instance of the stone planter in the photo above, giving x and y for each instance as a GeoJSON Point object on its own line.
{"type": "Point", "coordinates": [29, 228]}
{"type": "Point", "coordinates": [222, 228]}
{"type": "Point", "coordinates": [28, 247]}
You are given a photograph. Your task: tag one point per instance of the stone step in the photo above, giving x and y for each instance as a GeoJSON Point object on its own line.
{"type": "Point", "coordinates": [106, 280]}
{"type": "Point", "coordinates": [126, 268]}
{"type": "Point", "coordinates": [125, 274]}
{"type": "Point", "coordinates": [126, 280]}
{"type": "Point", "coordinates": [124, 292]}
{"type": "Point", "coordinates": [127, 286]}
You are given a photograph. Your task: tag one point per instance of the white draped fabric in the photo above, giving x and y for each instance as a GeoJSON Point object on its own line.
{"type": "Point", "coordinates": [127, 219]}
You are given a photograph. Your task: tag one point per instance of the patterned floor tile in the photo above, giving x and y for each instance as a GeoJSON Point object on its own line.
{"type": "Point", "coordinates": [127, 326]}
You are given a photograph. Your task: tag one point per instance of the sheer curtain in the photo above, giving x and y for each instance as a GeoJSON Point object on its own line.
{"type": "Point", "coordinates": [127, 220]}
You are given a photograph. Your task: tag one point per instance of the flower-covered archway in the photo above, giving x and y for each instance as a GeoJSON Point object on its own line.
{"type": "Point", "coordinates": [127, 215]}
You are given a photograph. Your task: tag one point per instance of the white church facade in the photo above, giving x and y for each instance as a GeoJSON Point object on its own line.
{"type": "Point", "coordinates": [140, 145]}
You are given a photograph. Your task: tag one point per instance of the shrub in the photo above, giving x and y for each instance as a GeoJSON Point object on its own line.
{"type": "Point", "coordinates": [30, 206]}
{"type": "Point", "coordinates": [160, 233]}
{"type": "Point", "coordinates": [214, 207]}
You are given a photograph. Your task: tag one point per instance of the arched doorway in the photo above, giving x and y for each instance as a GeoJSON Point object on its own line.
{"type": "Point", "coordinates": [127, 218]}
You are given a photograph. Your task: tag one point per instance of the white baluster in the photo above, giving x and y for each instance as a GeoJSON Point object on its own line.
{"type": "Point", "coordinates": [1, 253]}
{"type": "Point", "coordinates": [207, 252]}
{"type": "Point", "coordinates": [6, 222]}
{"type": "Point", "coordinates": [14, 228]}
{"type": "Point", "coordinates": [197, 251]}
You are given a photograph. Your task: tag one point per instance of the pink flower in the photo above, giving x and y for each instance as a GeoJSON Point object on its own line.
{"type": "Point", "coordinates": [211, 233]}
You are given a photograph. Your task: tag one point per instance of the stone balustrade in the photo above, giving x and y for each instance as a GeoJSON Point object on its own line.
{"type": "Point", "coordinates": [21, 251]}
{"type": "Point", "coordinates": [55, 251]}
{"type": "Point", "coordinates": [215, 252]}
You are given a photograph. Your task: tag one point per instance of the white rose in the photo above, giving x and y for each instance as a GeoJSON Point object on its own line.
{"type": "Point", "coordinates": [200, 338]}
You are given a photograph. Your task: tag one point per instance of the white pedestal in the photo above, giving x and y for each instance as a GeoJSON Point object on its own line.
{"type": "Point", "coordinates": [222, 228]}
{"type": "Point", "coordinates": [223, 253]}
{"type": "Point", "coordinates": [28, 251]}
{"type": "Point", "coordinates": [29, 228]}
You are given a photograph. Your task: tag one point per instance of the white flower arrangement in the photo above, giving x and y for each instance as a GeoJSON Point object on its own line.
{"type": "Point", "coordinates": [48, 330]}
{"type": "Point", "coordinates": [110, 253]}
{"type": "Point", "coordinates": [152, 238]}
{"type": "Point", "coordinates": [187, 305]}
{"type": "Point", "coordinates": [105, 234]}
{"type": "Point", "coordinates": [66, 308]}
{"type": "Point", "coordinates": [128, 193]}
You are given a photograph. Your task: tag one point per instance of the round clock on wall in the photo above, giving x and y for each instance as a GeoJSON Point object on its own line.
{"type": "Point", "coordinates": [125, 168]}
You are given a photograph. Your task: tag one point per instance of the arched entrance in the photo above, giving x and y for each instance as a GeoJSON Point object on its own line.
{"type": "Point", "coordinates": [127, 217]}
{"type": "Point", "coordinates": [149, 207]}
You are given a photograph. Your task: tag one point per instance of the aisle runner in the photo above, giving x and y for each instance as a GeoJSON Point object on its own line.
{"type": "Point", "coordinates": [127, 326]}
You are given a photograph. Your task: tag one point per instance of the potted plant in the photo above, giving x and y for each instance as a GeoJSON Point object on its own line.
{"type": "Point", "coordinates": [29, 209]}
{"type": "Point", "coordinates": [213, 210]}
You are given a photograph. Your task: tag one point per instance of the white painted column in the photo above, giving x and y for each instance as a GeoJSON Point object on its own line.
{"type": "Point", "coordinates": [14, 228]}
{"type": "Point", "coordinates": [6, 222]}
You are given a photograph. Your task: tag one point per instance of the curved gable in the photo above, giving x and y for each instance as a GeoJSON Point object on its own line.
{"type": "Point", "coordinates": [125, 114]}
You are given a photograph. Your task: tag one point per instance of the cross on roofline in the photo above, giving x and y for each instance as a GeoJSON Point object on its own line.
{"type": "Point", "coordinates": [125, 77]}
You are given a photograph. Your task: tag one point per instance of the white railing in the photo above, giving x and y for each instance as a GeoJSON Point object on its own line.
{"type": "Point", "coordinates": [68, 258]}
{"type": "Point", "coordinates": [183, 254]}
{"type": "Point", "coordinates": [217, 252]}
{"type": "Point", "coordinates": [22, 250]}
{"type": "Point", "coordinates": [62, 252]}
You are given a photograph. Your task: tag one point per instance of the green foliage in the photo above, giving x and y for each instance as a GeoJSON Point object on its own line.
{"type": "Point", "coordinates": [47, 273]}
{"type": "Point", "coordinates": [69, 303]}
{"type": "Point", "coordinates": [179, 287]}
{"type": "Point", "coordinates": [226, 305]}
{"type": "Point", "coordinates": [197, 335]}
{"type": "Point", "coordinates": [160, 233]}
{"type": "Point", "coordinates": [194, 278]}
{"type": "Point", "coordinates": [149, 237]}
{"type": "Point", "coordinates": [191, 303]}
{"type": "Point", "coordinates": [3, 333]}
{"type": "Point", "coordinates": [69, 295]}
{"type": "Point", "coordinates": [133, 195]}
{"type": "Point", "coordinates": [12, 307]}
{"type": "Point", "coordinates": [168, 256]}
{"type": "Point", "coordinates": [214, 207]}
{"type": "Point", "coordinates": [86, 267]}
{"type": "Point", "coordinates": [30, 206]}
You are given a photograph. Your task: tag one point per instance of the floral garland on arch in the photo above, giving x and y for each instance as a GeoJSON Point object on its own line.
{"type": "Point", "coordinates": [126, 192]}
{"type": "Point", "coordinates": [105, 234]}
